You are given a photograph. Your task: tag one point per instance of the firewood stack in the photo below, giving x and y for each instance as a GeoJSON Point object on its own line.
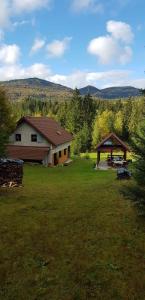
{"type": "Point", "coordinates": [11, 172]}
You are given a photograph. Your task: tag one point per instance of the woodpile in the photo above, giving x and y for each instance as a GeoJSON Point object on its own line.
{"type": "Point", "coordinates": [11, 172]}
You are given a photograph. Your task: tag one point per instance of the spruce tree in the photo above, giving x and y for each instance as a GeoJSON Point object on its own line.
{"type": "Point", "coordinates": [136, 191]}
{"type": "Point", "coordinates": [6, 122]}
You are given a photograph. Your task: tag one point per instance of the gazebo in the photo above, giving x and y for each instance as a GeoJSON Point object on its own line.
{"type": "Point", "coordinates": [112, 143]}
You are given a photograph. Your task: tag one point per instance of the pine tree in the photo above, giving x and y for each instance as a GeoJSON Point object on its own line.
{"type": "Point", "coordinates": [6, 122]}
{"type": "Point", "coordinates": [137, 190]}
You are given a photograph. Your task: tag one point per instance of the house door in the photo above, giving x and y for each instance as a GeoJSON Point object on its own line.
{"type": "Point", "coordinates": [55, 159]}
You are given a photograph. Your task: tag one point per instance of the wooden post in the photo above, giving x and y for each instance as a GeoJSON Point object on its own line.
{"type": "Point", "coordinates": [125, 155]}
{"type": "Point", "coordinates": [98, 157]}
{"type": "Point", "coordinates": [111, 153]}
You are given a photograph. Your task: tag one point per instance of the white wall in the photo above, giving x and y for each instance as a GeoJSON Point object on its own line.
{"type": "Point", "coordinates": [26, 130]}
{"type": "Point", "coordinates": [61, 147]}
{"type": "Point", "coordinates": [56, 150]}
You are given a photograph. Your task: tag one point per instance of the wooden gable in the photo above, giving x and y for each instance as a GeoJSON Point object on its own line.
{"type": "Point", "coordinates": [112, 141]}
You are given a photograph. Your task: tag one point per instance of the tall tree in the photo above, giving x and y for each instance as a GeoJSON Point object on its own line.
{"type": "Point", "coordinates": [6, 122]}
{"type": "Point", "coordinates": [127, 111]}
{"type": "Point", "coordinates": [103, 125]}
{"type": "Point", "coordinates": [137, 190]}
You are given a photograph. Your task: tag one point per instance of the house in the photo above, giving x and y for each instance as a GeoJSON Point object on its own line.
{"type": "Point", "coordinates": [40, 139]}
{"type": "Point", "coordinates": [110, 144]}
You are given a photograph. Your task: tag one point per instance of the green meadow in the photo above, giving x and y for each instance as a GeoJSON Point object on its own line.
{"type": "Point", "coordinates": [68, 234]}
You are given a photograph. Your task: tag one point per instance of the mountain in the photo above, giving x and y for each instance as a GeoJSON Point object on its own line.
{"type": "Point", "coordinates": [120, 92]}
{"type": "Point", "coordinates": [112, 92]}
{"type": "Point", "coordinates": [89, 89]}
{"type": "Point", "coordinates": [35, 88]}
{"type": "Point", "coordinates": [34, 82]}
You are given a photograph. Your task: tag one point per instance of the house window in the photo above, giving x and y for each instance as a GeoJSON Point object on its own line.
{"type": "Point", "coordinates": [33, 137]}
{"type": "Point", "coordinates": [65, 151]}
{"type": "Point", "coordinates": [59, 153]}
{"type": "Point", "coordinates": [18, 137]}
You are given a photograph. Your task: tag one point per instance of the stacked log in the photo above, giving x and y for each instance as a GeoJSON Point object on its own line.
{"type": "Point", "coordinates": [11, 172]}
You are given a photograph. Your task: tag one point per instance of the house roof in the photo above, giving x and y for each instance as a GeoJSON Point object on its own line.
{"type": "Point", "coordinates": [25, 152]}
{"type": "Point", "coordinates": [115, 137]}
{"type": "Point", "coordinates": [49, 129]}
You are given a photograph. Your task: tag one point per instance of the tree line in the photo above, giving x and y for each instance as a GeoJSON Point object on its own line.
{"type": "Point", "coordinates": [88, 119]}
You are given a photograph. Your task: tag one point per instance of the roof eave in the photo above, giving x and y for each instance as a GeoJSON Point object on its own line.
{"type": "Point", "coordinates": [25, 119]}
{"type": "Point", "coordinates": [119, 140]}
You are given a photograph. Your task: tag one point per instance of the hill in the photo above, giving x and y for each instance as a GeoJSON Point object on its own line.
{"type": "Point", "coordinates": [89, 89]}
{"type": "Point", "coordinates": [120, 92]}
{"type": "Point", "coordinates": [35, 88]}
{"type": "Point", "coordinates": [112, 92]}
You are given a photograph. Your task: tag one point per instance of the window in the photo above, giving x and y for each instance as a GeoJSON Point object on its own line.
{"type": "Point", "coordinates": [65, 151]}
{"type": "Point", "coordinates": [18, 137]}
{"type": "Point", "coordinates": [59, 153]}
{"type": "Point", "coordinates": [33, 137]}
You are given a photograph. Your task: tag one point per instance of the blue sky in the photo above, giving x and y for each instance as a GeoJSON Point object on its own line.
{"type": "Point", "coordinates": [73, 42]}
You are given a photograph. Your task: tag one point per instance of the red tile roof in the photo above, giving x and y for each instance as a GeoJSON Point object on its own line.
{"type": "Point", "coordinates": [26, 152]}
{"type": "Point", "coordinates": [49, 128]}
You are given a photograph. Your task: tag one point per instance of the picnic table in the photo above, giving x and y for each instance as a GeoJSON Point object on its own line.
{"type": "Point", "coordinates": [117, 163]}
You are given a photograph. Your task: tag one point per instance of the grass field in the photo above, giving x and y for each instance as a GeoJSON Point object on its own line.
{"type": "Point", "coordinates": [69, 235]}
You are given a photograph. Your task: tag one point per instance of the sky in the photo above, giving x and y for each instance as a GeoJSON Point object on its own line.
{"type": "Point", "coordinates": [74, 42]}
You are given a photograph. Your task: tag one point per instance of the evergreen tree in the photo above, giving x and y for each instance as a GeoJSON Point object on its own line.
{"type": "Point", "coordinates": [127, 111]}
{"type": "Point", "coordinates": [137, 191]}
{"type": "Point", "coordinates": [74, 116]}
{"type": "Point", "coordinates": [6, 122]}
{"type": "Point", "coordinates": [81, 141]}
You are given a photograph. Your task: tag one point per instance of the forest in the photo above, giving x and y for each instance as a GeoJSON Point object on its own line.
{"type": "Point", "coordinates": [88, 119]}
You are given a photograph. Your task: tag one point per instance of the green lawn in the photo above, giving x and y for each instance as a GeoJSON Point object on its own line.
{"type": "Point", "coordinates": [69, 235]}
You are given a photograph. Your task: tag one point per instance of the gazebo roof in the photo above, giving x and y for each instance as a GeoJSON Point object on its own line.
{"type": "Point", "coordinates": [114, 137]}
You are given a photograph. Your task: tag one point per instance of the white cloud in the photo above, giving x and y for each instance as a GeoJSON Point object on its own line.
{"type": "Point", "coordinates": [98, 79]}
{"type": "Point", "coordinates": [9, 72]}
{"type": "Point", "coordinates": [11, 8]}
{"type": "Point", "coordinates": [113, 47]}
{"type": "Point", "coordinates": [87, 5]}
{"type": "Point", "coordinates": [1, 35]}
{"type": "Point", "coordinates": [9, 54]}
{"type": "Point", "coordinates": [75, 79]}
{"type": "Point", "coordinates": [120, 31]}
{"type": "Point", "coordinates": [37, 45]}
{"type": "Point", "coordinates": [57, 48]}
{"type": "Point", "coordinates": [105, 48]}
{"type": "Point", "coordinates": [21, 23]}
{"type": "Point", "coordinates": [138, 83]}
{"type": "Point", "coordinates": [29, 5]}
{"type": "Point", "coordinates": [37, 70]}
{"type": "Point", "coordinates": [4, 12]}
